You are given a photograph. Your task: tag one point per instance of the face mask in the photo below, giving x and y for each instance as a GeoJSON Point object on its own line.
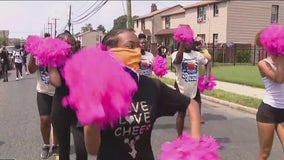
{"type": "Point", "coordinates": [129, 57]}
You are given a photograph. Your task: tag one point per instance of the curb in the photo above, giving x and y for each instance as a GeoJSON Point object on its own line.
{"type": "Point", "coordinates": [230, 104]}
{"type": "Point", "coordinates": [227, 103]}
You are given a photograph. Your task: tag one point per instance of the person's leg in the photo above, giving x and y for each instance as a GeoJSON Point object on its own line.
{"type": "Point", "coordinates": [280, 133]}
{"type": "Point", "coordinates": [20, 69]}
{"type": "Point", "coordinates": [266, 124]}
{"type": "Point", "coordinates": [6, 72]}
{"type": "Point", "coordinates": [180, 122]}
{"type": "Point", "coordinates": [198, 99]}
{"type": "Point", "coordinates": [3, 72]}
{"type": "Point", "coordinates": [17, 71]}
{"type": "Point", "coordinates": [265, 138]}
{"type": "Point", "coordinates": [43, 103]}
{"type": "Point", "coordinates": [61, 125]}
{"type": "Point", "coordinates": [78, 136]}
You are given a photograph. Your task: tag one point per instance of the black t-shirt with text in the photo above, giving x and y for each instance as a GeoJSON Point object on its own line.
{"type": "Point", "coordinates": [130, 138]}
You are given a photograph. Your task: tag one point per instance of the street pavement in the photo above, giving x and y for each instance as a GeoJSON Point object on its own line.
{"type": "Point", "coordinates": [20, 135]}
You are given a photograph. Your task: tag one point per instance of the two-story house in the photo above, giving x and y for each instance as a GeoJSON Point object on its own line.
{"type": "Point", "coordinates": [90, 38]}
{"type": "Point", "coordinates": [224, 22]}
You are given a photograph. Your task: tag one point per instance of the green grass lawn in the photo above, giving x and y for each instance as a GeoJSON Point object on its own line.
{"type": "Point", "coordinates": [239, 74]}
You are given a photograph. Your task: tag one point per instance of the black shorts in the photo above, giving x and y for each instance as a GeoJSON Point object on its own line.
{"type": "Point", "coordinates": [18, 66]}
{"type": "Point", "coordinates": [269, 114]}
{"type": "Point", "coordinates": [197, 97]}
{"type": "Point", "coordinates": [44, 103]}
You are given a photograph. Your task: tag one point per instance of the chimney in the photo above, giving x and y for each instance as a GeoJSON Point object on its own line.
{"type": "Point", "coordinates": [153, 7]}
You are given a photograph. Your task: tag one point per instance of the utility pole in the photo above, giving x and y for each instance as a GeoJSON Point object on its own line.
{"type": "Point", "coordinates": [50, 27]}
{"type": "Point", "coordinates": [69, 21]}
{"type": "Point", "coordinates": [55, 32]}
{"type": "Point", "coordinates": [129, 16]}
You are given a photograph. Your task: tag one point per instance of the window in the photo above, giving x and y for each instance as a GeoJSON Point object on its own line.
{"type": "Point", "coordinates": [201, 14]}
{"type": "Point", "coordinates": [167, 22]}
{"type": "Point", "coordinates": [215, 38]}
{"type": "Point", "coordinates": [216, 10]}
{"type": "Point", "coordinates": [274, 13]}
{"type": "Point", "coordinates": [142, 24]}
{"type": "Point", "coordinates": [202, 36]}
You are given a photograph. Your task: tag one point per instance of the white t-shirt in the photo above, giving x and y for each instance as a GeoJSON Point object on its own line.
{"type": "Point", "coordinates": [18, 57]}
{"type": "Point", "coordinates": [146, 64]}
{"type": "Point", "coordinates": [43, 85]}
{"type": "Point", "coordinates": [188, 71]}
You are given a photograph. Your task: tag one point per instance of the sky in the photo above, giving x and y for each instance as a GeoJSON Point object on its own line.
{"type": "Point", "coordinates": [23, 18]}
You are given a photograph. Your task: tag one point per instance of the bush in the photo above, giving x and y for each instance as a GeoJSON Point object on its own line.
{"type": "Point", "coordinates": [243, 56]}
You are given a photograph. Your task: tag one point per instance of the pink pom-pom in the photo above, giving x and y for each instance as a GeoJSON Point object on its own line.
{"type": "Point", "coordinates": [188, 148]}
{"type": "Point", "coordinates": [272, 39]}
{"type": "Point", "coordinates": [183, 33]}
{"type": "Point", "coordinates": [53, 52]}
{"type": "Point", "coordinates": [32, 44]}
{"type": "Point", "coordinates": [48, 52]}
{"type": "Point", "coordinates": [202, 85]}
{"type": "Point", "coordinates": [100, 89]}
{"type": "Point", "coordinates": [160, 66]}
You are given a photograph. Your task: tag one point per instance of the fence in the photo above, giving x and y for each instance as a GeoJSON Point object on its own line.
{"type": "Point", "coordinates": [237, 54]}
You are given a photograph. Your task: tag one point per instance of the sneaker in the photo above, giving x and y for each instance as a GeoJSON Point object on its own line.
{"type": "Point", "coordinates": [55, 150]}
{"type": "Point", "coordinates": [17, 79]}
{"type": "Point", "coordinates": [21, 77]}
{"type": "Point", "coordinates": [45, 152]}
{"type": "Point", "coordinates": [27, 73]}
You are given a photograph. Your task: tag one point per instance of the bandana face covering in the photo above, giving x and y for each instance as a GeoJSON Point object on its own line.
{"type": "Point", "coordinates": [129, 57]}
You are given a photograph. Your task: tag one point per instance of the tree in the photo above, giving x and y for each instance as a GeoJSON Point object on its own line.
{"type": "Point", "coordinates": [101, 28]}
{"type": "Point", "coordinates": [2, 41]}
{"type": "Point", "coordinates": [87, 27]}
{"type": "Point", "coordinates": [120, 22]}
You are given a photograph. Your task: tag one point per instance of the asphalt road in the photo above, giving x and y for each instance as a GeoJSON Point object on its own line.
{"type": "Point", "coordinates": [20, 135]}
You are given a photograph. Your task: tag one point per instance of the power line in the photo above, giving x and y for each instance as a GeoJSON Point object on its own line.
{"type": "Point", "coordinates": [123, 7]}
{"type": "Point", "coordinates": [86, 10]}
{"type": "Point", "coordinates": [89, 15]}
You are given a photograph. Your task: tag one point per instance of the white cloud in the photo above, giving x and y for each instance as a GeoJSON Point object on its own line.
{"type": "Point", "coordinates": [22, 18]}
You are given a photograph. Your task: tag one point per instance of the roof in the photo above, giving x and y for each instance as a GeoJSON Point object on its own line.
{"type": "Point", "coordinates": [156, 12]}
{"type": "Point", "coordinates": [178, 11]}
{"type": "Point", "coordinates": [165, 32]}
{"type": "Point", "coordinates": [201, 3]}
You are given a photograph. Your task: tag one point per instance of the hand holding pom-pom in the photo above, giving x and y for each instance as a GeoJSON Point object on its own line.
{"type": "Point", "coordinates": [203, 84]}
{"type": "Point", "coordinates": [183, 33]}
{"type": "Point", "coordinates": [32, 44]}
{"type": "Point", "coordinates": [48, 52]}
{"type": "Point", "coordinates": [100, 89]}
{"type": "Point", "coordinates": [160, 67]}
{"type": "Point", "coordinates": [187, 148]}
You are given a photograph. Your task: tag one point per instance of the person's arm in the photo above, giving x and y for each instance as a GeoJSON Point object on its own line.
{"type": "Point", "coordinates": [179, 55]}
{"type": "Point", "coordinates": [92, 138]}
{"type": "Point", "coordinates": [32, 67]}
{"type": "Point", "coordinates": [172, 101]}
{"type": "Point", "coordinates": [54, 77]}
{"type": "Point", "coordinates": [194, 119]}
{"type": "Point", "coordinates": [266, 70]}
{"type": "Point", "coordinates": [208, 71]}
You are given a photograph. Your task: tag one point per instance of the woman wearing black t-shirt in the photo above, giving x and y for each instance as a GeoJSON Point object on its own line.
{"type": "Point", "coordinates": [130, 138]}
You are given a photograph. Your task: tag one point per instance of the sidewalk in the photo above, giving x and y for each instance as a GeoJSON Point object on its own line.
{"type": "Point", "coordinates": [234, 88]}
